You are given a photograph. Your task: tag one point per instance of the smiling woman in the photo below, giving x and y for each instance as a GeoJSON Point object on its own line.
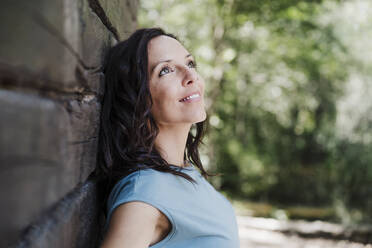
{"type": "Point", "coordinates": [176, 89]}
{"type": "Point", "coordinates": [156, 192]}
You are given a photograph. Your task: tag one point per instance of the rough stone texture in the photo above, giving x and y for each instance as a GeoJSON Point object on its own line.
{"type": "Point", "coordinates": [50, 83]}
{"type": "Point", "coordinates": [73, 218]}
{"type": "Point", "coordinates": [32, 156]}
{"type": "Point", "coordinates": [53, 40]}
{"type": "Point", "coordinates": [82, 136]}
{"type": "Point", "coordinates": [31, 42]}
{"type": "Point", "coordinates": [46, 149]}
{"type": "Point", "coordinates": [94, 35]}
{"type": "Point", "coordinates": [121, 13]}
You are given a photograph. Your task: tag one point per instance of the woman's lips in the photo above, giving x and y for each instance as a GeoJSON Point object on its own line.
{"type": "Point", "coordinates": [195, 99]}
{"type": "Point", "coordinates": [192, 98]}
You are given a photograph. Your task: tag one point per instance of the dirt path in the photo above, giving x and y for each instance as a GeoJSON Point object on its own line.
{"type": "Point", "coordinates": [263, 233]}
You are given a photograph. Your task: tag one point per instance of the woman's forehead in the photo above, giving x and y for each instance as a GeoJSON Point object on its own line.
{"type": "Point", "coordinates": [165, 48]}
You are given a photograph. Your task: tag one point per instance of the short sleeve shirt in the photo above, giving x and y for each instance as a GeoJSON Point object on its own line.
{"type": "Point", "coordinates": [200, 216]}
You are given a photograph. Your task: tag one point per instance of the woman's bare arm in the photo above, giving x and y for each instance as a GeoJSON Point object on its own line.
{"type": "Point", "coordinates": [132, 225]}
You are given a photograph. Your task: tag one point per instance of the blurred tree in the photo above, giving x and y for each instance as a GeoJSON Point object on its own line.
{"type": "Point", "coordinates": [279, 75]}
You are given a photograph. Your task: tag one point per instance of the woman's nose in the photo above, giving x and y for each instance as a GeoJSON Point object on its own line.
{"type": "Point", "coordinates": [190, 76]}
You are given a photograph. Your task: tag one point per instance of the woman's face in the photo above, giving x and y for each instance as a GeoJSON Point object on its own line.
{"type": "Point", "coordinates": [172, 77]}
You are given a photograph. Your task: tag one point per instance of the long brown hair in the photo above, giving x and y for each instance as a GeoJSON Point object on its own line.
{"type": "Point", "coordinates": [127, 128]}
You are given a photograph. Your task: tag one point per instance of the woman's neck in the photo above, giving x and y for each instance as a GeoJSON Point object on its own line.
{"type": "Point", "coordinates": [171, 143]}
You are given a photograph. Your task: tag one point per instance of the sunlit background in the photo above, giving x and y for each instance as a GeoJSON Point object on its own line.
{"type": "Point", "coordinates": [288, 101]}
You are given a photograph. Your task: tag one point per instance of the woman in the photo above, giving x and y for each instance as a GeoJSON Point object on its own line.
{"type": "Point", "coordinates": [152, 121]}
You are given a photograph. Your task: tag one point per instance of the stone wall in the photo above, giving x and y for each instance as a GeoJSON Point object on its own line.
{"type": "Point", "coordinates": [50, 85]}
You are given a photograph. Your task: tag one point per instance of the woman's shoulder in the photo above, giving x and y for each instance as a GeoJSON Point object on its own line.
{"type": "Point", "coordinates": [139, 182]}
{"type": "Point", "coordinates": [143, 185]}
{"type": "Point", "coordinates": [129, 182]}
{"type": "Point", "coordinates": [150, 175]}
{"type": "Point", "coordinates": [149, 183]}
{"type": "Point", "coordinates": [144, 174]}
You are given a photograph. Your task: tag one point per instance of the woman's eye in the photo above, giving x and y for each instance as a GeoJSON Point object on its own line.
{"type": "Point", "coordinates": [165, 70]}
{"type": "Point", "coordinates": [192, 64]}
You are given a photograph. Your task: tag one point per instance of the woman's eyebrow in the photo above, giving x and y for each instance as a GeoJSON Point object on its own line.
{"type": "Point", "coordinates": [162, 61]}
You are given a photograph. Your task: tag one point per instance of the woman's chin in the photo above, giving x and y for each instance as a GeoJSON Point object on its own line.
{"type": "Point", "coordinates": [201, 118]}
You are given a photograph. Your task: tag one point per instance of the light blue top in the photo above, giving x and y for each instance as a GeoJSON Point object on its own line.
{"type": "Point", "coordinates": [201, 217]}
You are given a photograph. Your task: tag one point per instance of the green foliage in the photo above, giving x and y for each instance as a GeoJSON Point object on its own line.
{"type": "Point", "coordinates": [288, 96]}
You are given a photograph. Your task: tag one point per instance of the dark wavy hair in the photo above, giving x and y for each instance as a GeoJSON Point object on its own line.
{"type": "Point", "coordinates": [127, 128]}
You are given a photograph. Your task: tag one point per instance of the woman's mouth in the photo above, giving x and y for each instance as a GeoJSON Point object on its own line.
{"type": "Point", "coordinates": [192, 98]}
